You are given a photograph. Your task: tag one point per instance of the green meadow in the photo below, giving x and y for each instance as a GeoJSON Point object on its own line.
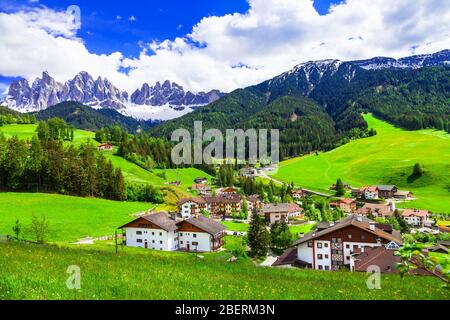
{"type": "Point", "coordinates": [185, 175]}
{"type": "Point", "coordinates": [27, 131]}
{"type": "Point", "coordinates": [40, 272]}
{"type": "Point", "coordinates": [387, 158]}
{"type": "Point", "coordinates": [70, 218]}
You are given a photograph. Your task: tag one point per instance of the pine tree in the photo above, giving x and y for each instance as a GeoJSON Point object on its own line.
{"type": "Point", "coordinates": [258, 237]}
{"type": "Point", "coordinates": [340, 189]}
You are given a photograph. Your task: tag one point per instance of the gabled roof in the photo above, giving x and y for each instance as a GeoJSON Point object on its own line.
{"type": "Point", "coordinates": [208, 225]}
{"type": "Point", "coordinates": [415, 212]}
{"type": "Point", "coordinates": [224, 198]}
{"type": "Point", "coordinates": [386, 187]}
{"type": "Point", "coordinates": [281, 207]}
{"type": "Point", "coordinates": [161, 219]}
{"type": "Point", "coordinates": [363, 224]}
{"type": "Point", "coordinates": [197, 200]}
{"type": "Point", "coordinates": [382, 209]}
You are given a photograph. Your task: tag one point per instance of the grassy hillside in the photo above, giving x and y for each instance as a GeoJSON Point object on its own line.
{"type": "Point", "coordinates": [26, 131]}
{"type": "Point", "coordinates": [185, 175]}
{"type": "Point", "coordinates": [70, 218]}
{"type": "Point", "coordinates": [387, 158]}
{"type": "Point", "coordinates": [131, 171]}
{"type": "Point", "coordinates": [167, 275]}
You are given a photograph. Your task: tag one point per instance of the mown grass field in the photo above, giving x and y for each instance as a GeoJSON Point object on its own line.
{"type": "Point", "coordinates": [40, 272]}
{"type": "Point", "coordinates": [70, 218]}
{"type": "Point", "coordinates": [387, 158]}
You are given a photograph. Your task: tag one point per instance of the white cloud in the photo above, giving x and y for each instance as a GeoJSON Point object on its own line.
{"type": "Point", "coordinates": [132, 18]}
{"type": "Point", "coordinates": [234, 50]}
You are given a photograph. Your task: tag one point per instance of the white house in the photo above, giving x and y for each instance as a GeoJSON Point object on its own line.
{"type": "Point", "coordinates": [192, 206]}
{"type": "Point", "coordinates": [331, 248]}
{"type": "Point", "coordinates": [414, 217]}
{"type": "Point", "coordinates": [371, 193]}
{"type": "Point", "coordinates": [160, 231]}
{"type": "Point", "coordinates": [156, 231]}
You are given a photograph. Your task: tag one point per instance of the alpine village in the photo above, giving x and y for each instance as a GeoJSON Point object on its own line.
{"type": "Point", "coordinates": [362, 183]}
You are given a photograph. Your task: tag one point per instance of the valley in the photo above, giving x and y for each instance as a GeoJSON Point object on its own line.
{"type": "Point", "coordinates": [386, 158]}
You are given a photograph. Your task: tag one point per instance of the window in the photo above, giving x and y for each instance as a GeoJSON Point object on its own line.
{"type": "Point", "coordinates": [326, 256]}
{"type": "Point", "coordinates": [349, 236]}
{"type": "Point", "coordinates": [194, 235]}
{"type": "Point", "coordinates": [139, 232]}
{"type": "Point", "coordinates": [319, 245]}
{"type": "Point", "coordinates": [320, 267]}
{"type": "Point", "coordinates": [363, 237]}
{"type": "Point", "coordinates": [160, 233]}
{"type": "Point", "coordinates": [153, 233]}
{"type": "Point", "coordinates": [153, 241]}
{"type": "Point", "coordinates": [160, 242]}
{"type": "Point", "coordinates": [326, 244]}
{"type": "Point", "coordinates": [347, 257]}
{"type": "Point", "coordinates": [347, 246]}
{"type": "Point", "coordinates": [310, 244]}
{"type": "Point", "coordinates": [139, 240]}
{"type": "Point", "coordinates": [181, 234]}
{"type": "Point", "coordinates": [355, 247]}
{"type": "Point", "coordinates": [327, 268]}
{"type": "Point", "coordinates": [181, 242]}
{"type": "Point", "coordinates": [319, 257]}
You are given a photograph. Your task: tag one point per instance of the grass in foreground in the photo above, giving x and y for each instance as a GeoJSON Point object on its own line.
{"type": "Point", "coordinates": [387, 158]}
{"type": "Point", "coordinates": [70, 218]}
{"type": "Point", "coordinates": [39, 272]}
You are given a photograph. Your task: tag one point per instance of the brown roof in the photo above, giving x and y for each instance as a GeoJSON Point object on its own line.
{"type": "Point", "coordinates": [161, 219]}
{"type": "Point", "coordinates": [229, 198]}
{"type": "Point", "coordinates": [381, 257]}
{"type": "Point", "coordinates": [402, 193]}
{"type": "Point", "coordinates": [287, 258]}
{"type": "Point", "coordinates": [197, 200]}
{"type": "Point", "coordinates": [209, 225]}
{"type": "Point", "coordinates": [415, 212]}
{"type": "Point", "coordinates": [228, 190]}
{"type": "Point", "coordinates": [347, 201]}
{"type": "Point", "coordinates": [444, 243]}
{"type": "Point", "coordinates": [364, 224]}
{"type": "Point", "coordinates": [438, 248]}
{"type": "Point", "coordinates": [382, 209]}
{"type": "Point", "coordinates": [385, 259]}
{"type": "Point", "coordinates": [281, 207]}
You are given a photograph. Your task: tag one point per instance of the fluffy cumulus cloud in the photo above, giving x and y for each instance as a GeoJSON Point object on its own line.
{"type": "Point", "coordinates": [234, 50]}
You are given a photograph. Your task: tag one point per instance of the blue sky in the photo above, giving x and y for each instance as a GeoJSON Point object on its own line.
{"type": "Point", "coordinates": [108, 26]}
{"type": "Point", "coordinates": [208, 44]}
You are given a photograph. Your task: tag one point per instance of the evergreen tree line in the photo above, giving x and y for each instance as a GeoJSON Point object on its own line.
{"type": "Point", "coordinates": [8, 116]}
{"type": "Point", "coordinates": [49, 166]}
{"type": "Point", "coordinates": [55, 129]}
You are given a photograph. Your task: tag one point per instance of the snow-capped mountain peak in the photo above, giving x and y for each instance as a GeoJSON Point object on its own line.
{"type": "Point", "coordinates": [101, 93]}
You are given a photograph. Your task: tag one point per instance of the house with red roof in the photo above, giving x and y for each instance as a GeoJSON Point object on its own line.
{"type": "Point", "coordinates": [416, 218]}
